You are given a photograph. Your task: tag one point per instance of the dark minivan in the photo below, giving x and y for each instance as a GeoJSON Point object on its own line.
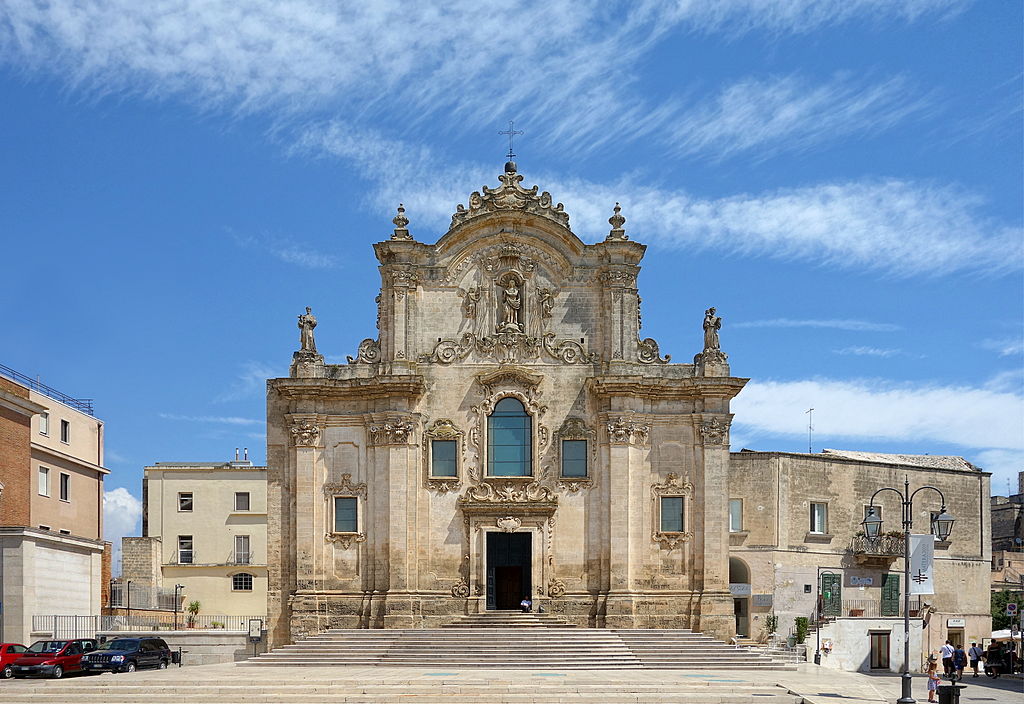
{"type": "Point", "coordinates": [128, 655]}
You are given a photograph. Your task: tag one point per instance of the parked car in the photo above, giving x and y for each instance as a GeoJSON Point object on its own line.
{"type": "Point", "coordinates": [128, 655]}
{"type": "Point", "coordinates": [9, 652]}
{"type": "Point", "coordinates": [53, 658]}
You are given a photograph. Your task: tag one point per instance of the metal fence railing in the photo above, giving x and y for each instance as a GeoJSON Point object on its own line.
{"type": "Point", "coordinates": [875, 608]}
{"type": "Point", "coordinates": [141, 596]}
{"type": "Point", "coordinates": [81, 404]}
{"type": "Point", "coordinates": [89, 626]}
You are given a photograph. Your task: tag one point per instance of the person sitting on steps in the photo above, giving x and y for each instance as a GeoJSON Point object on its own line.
{"type": "Point", "coordinates": [526, 605]}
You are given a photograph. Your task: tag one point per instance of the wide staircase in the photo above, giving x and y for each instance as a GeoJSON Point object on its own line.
{"type": "Point", "coordinates": [500, 639]}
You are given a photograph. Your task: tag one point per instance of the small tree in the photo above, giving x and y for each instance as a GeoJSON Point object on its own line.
{"type": "Point", "coordinates": [802, 623]}
{"type": "Point", "coordinates": [193, 610]}
{"type": "Point", "coordinates": [771, 623]}
{"type": "Point", "coordinates": [999, 601]}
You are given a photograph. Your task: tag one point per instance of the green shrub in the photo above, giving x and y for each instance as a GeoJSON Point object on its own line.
{"type": "Point", "coordinates": [802, 626]}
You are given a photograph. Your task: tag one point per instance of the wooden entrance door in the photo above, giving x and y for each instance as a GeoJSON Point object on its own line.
{"type": "Point", "coordinates": [879, 651]}
{"type": "Point", "coordinates": [508, 569]}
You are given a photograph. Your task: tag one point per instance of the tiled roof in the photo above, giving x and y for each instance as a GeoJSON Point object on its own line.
{"type": "Point", "coordinates": [928, 461]}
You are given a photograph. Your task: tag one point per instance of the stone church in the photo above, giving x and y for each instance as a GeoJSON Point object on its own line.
{"type": "Point", "coordinates": [507, 433]}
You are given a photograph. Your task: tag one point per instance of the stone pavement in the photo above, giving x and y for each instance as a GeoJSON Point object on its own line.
{"type": "Point", "coordinates": [230, 684]}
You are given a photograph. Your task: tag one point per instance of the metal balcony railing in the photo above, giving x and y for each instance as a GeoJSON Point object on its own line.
{"type": "Point", "coordinates": [873, 608]}
{"type": "Point", "coordinates": [884, 545]}
{"type": "Point", "coordinates": [184, 557]}
{"type": "Point", "coordinates": [80, 404]}
{"type": "Point", "coordinates": [240, 557]}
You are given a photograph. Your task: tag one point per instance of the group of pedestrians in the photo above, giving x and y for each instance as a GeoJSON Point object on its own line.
{"type": "Point", "coordinates": [955, 659]}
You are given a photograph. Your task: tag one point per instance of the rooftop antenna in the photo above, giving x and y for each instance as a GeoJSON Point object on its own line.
{"type": "Point", "coordinates": [810, 428]}
{"type": "Point", "coordinates": [511, 132]}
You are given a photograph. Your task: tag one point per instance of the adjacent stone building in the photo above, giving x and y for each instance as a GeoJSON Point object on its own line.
{"type": "Point", "coordinates": [53, 560]}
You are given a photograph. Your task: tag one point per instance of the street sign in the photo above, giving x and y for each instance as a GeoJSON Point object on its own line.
{"type": "Point", "coordinates": [1011, 609]}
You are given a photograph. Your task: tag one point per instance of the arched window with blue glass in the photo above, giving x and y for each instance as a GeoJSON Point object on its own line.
{"type": "Point", "coordinates": [509, 440]}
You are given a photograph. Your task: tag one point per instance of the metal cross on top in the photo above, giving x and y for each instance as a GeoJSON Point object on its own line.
{"type": "Point", "coordinates": [511, 132]}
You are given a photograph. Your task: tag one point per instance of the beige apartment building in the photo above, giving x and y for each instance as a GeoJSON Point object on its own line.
{"type": "Point", "coordinates": [53, 560]}
{"type": "Point", "coordinates": [204, 527]}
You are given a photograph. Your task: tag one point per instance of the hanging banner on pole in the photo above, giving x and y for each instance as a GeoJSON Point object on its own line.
{"type": "Point", "coordinates": [922, 559]}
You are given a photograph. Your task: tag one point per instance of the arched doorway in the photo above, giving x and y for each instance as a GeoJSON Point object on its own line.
{"type": "Point", "coordinates": [739, 585]}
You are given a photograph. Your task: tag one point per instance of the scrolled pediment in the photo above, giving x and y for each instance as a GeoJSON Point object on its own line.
{"type": "Point", "coordinates": [509, 376]}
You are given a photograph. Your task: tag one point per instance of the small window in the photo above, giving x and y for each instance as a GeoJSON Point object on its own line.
{"type": "Point", "coordinates": [184, 500]}
{"type": "Point", "coordinates": [345, 515]}
{"type": "Point", "coordinates": [65, 431]}
{"type": "Point", "coordinates": [42, 527]}
{"type": "Point", "coordinates": [735, 515]}
{"type": "Point", "coordinates": [44, 481]}
{"type": "Point", "coordinates": [186, 555]}
{"type": "Point", "coordinates": [65, 487]}
{"type": "Point", "coordinates": [574, 458]}
{"type": "Point", "coordinates": [443, 458]}
{"type": "Point", "coordinates": [819, 518]}
{"type": "Point", "coordinates": [65, 532]}
{"type": "Point", "coordinates": [242, 582]}
{"type": "Point", "coordinates": [672, 514]}
{"type": "Point", "coordinates": [241, 500]}
{"type": "Point", "coordinates": [44, 423]}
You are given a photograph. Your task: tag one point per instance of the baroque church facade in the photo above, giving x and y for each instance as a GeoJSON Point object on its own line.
{"type": "Point", "coordinates": [507, 433]}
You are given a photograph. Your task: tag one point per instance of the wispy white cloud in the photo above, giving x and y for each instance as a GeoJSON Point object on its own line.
{"type": "Point", "coordinates": [225, 420]}
{"type": "Point", "coordinates": [410, 62]}
{"type": "Point", "coordinates": [865, 351]}
{"type": "Point", "coordinates": [1004, 347]}
{"type": "Point", "coordinates": [251, 380]}
{"type": "Point", "coordinates": [121, 514]}
{"type": "Point", "coordinates": [837, 324]}
{"type": "Point", "coordinates": [285, 249]}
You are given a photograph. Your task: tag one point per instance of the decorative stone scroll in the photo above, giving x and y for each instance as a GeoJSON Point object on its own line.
{"type": "Point", "coordinates": [648, 353]}
{"type": "Point", "coordinates": [369, 352]}
{"type": "Point", "coordinates": [509, 492]}
{"type": "Point", "coordinates": [345, 540]}
{"type": "Point", "coordinates": [460, 590]}
{"type": "Point", "coordinates": [670, 541]}
{"type": "Point", "coordinates": [673, 486]}
{"type": "Point", "coordinates": [396, 431]}
{"type": "Point", "coordinates": [509, 348]}
{"type": "Point", "coordinates": [305, 433]}
{"type": "Point", "coordinates": [344, 488]}
{"type": "Point", "coordinates": [509, 524]}
{"type": "Point", "coordinates": [628, 432]}
{"type": "Point", "coordinates": [714, 431]}
{"type": "Point", "coordinates": [510, 196]}
{"type": "Point", "coordinates": [556, 588]}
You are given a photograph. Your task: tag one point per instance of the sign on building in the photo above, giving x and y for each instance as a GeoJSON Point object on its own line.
{"type": "Point", "coordinates": [956, 623]}
{"type": "Point", "coordinates": [922, 560]}
{"type": "Point", "coordinates": [739, 589]}
{"type": "Point", "coordinates": [762, 600]}
{"type": "Point", "coordinates": [861, 581]}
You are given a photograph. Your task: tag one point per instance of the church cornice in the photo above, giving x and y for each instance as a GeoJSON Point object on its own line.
{"type": "Point", "coordinates": [665, 388]}
{"type": "Point", "coordinates": [406, 386]}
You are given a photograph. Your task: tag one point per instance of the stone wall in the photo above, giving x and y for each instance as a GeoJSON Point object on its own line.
{"type": "Point", "coordinates": [140, 560]}
{"type": "Point", "coordinates": [200, 647]}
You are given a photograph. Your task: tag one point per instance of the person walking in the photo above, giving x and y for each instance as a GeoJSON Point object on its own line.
{"type": "Point", "coordinates": [959, 661]}
{"type": "Point", "coordinates": [974, 655]}
{"type": "Point", "coordinates": [933, 678]}
{"type": "Point", "coordinates": [946, 653]}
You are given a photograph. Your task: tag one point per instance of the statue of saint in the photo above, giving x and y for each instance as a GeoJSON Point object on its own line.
{"type": "Point", "coordinates": [547, 302]}
{"type": "Point", "coordinates": [306, 324]}
{"type": "Point", "coordinates": [511, 303]}
{"type": "Point", "coordinates": [712, 324]}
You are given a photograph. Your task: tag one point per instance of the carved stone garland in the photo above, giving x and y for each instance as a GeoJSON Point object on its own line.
{"type": "Point", "coordinates": [715, 431]}
{"type": "Point", "coordinates": [626, 431]}
{"type": "Point", "coordinates": [443, 429]}
{"type": "Point", "coordinates": [574, 428]}
{"type": "Point", "coordinates": [510, 348]}
{"type": "Point", "coordinates": [345, 540]}
{"type": "Point", "coordinates": [673, 486]}
{"type": "Point", "coordinates": [392, 431]}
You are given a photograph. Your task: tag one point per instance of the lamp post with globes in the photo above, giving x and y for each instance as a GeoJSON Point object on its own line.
{"type": "Point", "coordinates": [873, 529]}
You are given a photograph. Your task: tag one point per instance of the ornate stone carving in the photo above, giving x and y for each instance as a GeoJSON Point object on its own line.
{"type": "Point", "coordinates": [648, 353]}
{"type": "Point", "coordinates": [546, 303]}
{"type": "Point", "coordinates": [444, 429]}
{"type": "Point", "coordinates": [510, 196]}
{"type": "Point", "coordinates": [574, 484]}
{"type": "Point", "coordinates": [509, 524]}
{"type": "Point", "coordinates": [345, 540]}
{"type": "Point", "coordinates": [556, 588]}
{"type": "Point", "coordinates": [616, 221]}
{"type": "Point", "coordinates": [344, 488]}
{"type": "Point", "coordinates": [509, 492]}
{"type": "Point", "coordinates": [443, 486]}
{"type": "Point", "coordinates": [618, 278]}
{"type": "Point", "coordinates": [460, 590]}
{"type": "Point", "coordinates": [509, 348]}
{"type": "Point", "coordinates": [402, 278]}
{"type": "Point", "coordinates": [628, 432]}
{"type": "Point", "coordinates": [401, 232]}
{"type": "Point", "coordinates": [470, 299]}
{"type": "Point", "coordinates": [673, 486]}
{"type": "Point", "coordinates": [712, 324]}
{"type": "Point", "coordinates": [305, 433]}
{"type": "Point", "coordinates": [714, 431]}
{"type": "Point", "coordinates": [369, 352]}
{"type": "Point", "coordinates": [396, 431]}
{"type": "Point", "coordinates": [670, 541]}
{"type": "Point", "coordinates": [307, 321]}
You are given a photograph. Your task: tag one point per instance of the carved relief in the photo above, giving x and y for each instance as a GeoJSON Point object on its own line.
{"type": "Point", "coordinates": [305, 433]}
{"type": "Point", "coordinates": [460, 590]}
{"type": "Point", "coordinates": [511, 304]}
{"type": "Point", "coordinates": [470, 298]}
{"type": "Point", "coordinates": [345, 540]}
{"type": "Point", "coordinates": [509, 492]}
{"type": "Point", "coordinates": [618, 278]}
{"type": "Point", "coordinates": [515, 382]}
{"type": "Point", "coordinates": [673, 486]}
{"type": "Point", "coordinates": [509, 348]}
{"type": "Point", "coordinates": [369, 351]}
{"type": "Point", "coordinates": [714, 431]}
{"type": "Point", "coordinates": [397, 431]}
{"type": "Point", "coordinates": [509, 524]}
{"type": "Point", "coordinates": [648, 352]}
{"type": "Point", "coordinates": [510, 196]}
{"type": "Point", "coordinates": [670, 541]}
{"type": "Point", "coordinates": [556, 588]}
{"type": "Point", "coordinates": [628, 432]}
{"type": "Point", "coordinates": [344, 488]}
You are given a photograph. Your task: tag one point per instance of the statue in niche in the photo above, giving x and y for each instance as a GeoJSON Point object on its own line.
{"type": "Point", "coordinates": [306, 324]}
{"type": "Point", "coordinates": [712, 324]}
{"type": "Point", "coordinates": [547, 302]}
{"type": "Point", "coordinates": [471, 298]}
{"type": "Point", "coordinates": [511, 305]}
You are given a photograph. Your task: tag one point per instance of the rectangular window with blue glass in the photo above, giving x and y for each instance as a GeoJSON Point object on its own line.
{"type": "Point", "coordinates": [346, 518]}
{"type": "Point", "coordinates": [574, 458]}
{"type": "Point", "coordinates": [442, 458]}
{"type": "Point", "coordinates": [672, 514]}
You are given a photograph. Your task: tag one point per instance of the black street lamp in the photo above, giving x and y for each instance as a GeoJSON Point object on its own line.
{"type": "Point", "coordinates": [177, 587]}
{"type": "Point", "coordinates": [817, 625]}
{"type": "Point", "coordinates": [873, 528]}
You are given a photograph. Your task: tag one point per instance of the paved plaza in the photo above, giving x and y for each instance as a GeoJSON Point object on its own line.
{"type": "Point", "coordinates": [230, 684]}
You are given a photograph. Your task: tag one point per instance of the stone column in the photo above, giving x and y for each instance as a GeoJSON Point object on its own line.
{"type": "Point", "coordinates": [619, 302]}
{"type": "Point", "coordinates": [716, 605]}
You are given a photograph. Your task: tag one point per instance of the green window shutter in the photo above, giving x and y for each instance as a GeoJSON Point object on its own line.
{"type": "Point", "coordinates": [890, 595]}
{"type": "Point", "coordinates": [832, 594]}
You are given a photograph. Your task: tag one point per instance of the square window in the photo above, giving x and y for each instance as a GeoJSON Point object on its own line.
{"type": "Point", "coordinates": [345, 514]}
{"type": "Point", "coordinates": [44, 423]}
{"type": "Point", "coordinates": [186, 556]}
{"type": "Point", "coordinates": [65, 431]}
{"type": "Point", "coordinates": [672, 514]}
{"type": "Point", "coordinates": [443, 460]}
{"type": "Point", "coordinates": [241, 582]}
{"type": "Point", "coordinates": [241, 500]}
{"type": "Point", "coordinates": [819, 518]}
{"type": "Point", "coordinates": [44, 481]}
{"type": "Point", "coordinates": [574, 458]}
{"type": "Point", "coordinates": [735, 515]}
{"type": "Point", "coordinates": [185, 501]}
{"type": "Point", "coordinates": [65, 487]}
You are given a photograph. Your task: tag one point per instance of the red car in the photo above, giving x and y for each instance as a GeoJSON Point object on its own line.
{"type": "Point", "coordinates": [9, 652]}
{"type": "Point", "coordinates": [53, 657]}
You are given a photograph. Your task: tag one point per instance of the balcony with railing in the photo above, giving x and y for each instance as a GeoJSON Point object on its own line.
{"type": "Point", "coordinates": [883, 549]}
{"type": "Point", "coordinates": [234, 557]}
{"type": "Point", "coordinates": [240, 557]}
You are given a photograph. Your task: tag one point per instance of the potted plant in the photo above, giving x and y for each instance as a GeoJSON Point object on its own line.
{"type": "Point", "coordinates": [193, 610]}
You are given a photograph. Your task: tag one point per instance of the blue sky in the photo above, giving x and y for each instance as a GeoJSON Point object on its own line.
{"type": "Point", "coordinates": [842, 179]}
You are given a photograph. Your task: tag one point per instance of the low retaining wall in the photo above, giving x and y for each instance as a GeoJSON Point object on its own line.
{"type": "Point", "coordinates": [200, 647]}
